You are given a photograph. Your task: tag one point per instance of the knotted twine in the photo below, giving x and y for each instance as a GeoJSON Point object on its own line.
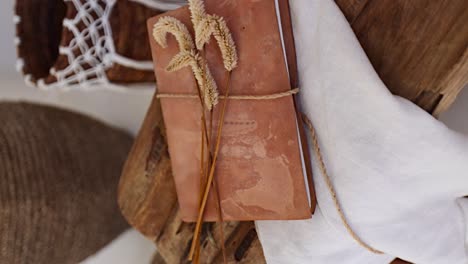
{"type": "Point", "coordinates": [315, 145]}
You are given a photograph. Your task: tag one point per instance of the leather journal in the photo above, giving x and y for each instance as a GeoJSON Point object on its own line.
{"type": "Point", "coordinates": [260, 173]}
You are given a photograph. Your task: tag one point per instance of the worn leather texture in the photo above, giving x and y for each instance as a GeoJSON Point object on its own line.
{"type": "Point", "coordinates": [259, 171]}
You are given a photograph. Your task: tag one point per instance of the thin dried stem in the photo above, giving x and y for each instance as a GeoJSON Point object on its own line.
{"type": "Point", "coordinates": [195, 249]}
{"type": "Point", "coordinates": [221, 220]}
{"type": "Point", "coordinates": [215, 186]}
{"type": "Point", "coordinates": [204, 128]}
{"type": "Point", "coordinates": [205, 26]}
{"type": "Point", "coordinates": [213, 166]}
{"type": "Point", "coordinates": [202, 159]}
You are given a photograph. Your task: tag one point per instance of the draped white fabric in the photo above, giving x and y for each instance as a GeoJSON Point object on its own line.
{"type": "Point", "coordinates": [398, 172]}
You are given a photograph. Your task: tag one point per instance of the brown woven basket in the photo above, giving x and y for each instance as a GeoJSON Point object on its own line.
{"type": "Point", "coordinates": [40, 32]}
{"type": "Point", "coordinates": [58, 181]}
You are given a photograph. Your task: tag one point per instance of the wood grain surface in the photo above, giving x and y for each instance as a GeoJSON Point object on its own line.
{"type": "Point", "coordinates": [418, 48]}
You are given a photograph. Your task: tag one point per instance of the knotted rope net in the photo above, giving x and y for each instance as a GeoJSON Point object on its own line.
{"type": "Point", "coordinates": [85, 44]}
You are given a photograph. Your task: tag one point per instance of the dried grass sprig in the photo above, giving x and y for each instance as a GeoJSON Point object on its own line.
{"type": "Point", "coordinates": [188, 56]}
{"type": "Point", "coordinates": [225, 42]}
{"type": "Point", "coordinates": [211, 92]}
{"type": "Point", "coordinates": [212, 25]}
{"type": "Point", "coordinates": [197, 11]}
{"type": "Point", "coordinates": [205, 26]}
{"type": "Point", "coordinates": [181, 60]}
{"type": "Point", "coordinates": [201, 72]}
{"type": "Point", "coordinates": [203, 31]}
{"type": "Point", "coordinates": [173, 26]}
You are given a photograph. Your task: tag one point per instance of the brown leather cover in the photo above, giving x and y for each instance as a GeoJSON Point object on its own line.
{"type": "Point", "coordinates": [259, 170]}
{"type": "Point", "coordinates": [290, 49]}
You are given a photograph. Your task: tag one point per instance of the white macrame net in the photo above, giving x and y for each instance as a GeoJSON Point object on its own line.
{"type": "Point", "coordinates": [91, 51]}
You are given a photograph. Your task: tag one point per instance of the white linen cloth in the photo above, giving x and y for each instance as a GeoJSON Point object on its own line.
{"type": "Point", "coordinates": [398, 172]}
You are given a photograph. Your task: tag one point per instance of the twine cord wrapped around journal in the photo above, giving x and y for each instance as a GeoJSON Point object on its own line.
{"type": "Point", "coordinates": [234, 97]}
{"type": "Point", "coordinates": [267, 170]}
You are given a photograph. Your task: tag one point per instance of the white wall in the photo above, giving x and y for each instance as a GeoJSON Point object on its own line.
{"type": "Point", "coordinates": [457, 116]}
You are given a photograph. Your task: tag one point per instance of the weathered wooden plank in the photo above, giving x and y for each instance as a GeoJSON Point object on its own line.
{"type": "Point", "coordinates": [158, 259]}
{"type": "Point", "coordinates": [417, 47]}
{"type": "Point", "coordinates": [146, 193]}
{"type": "Point", "coordinates": [147, 198]}
{"type": "Point", "coordinates": [243, 246]}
